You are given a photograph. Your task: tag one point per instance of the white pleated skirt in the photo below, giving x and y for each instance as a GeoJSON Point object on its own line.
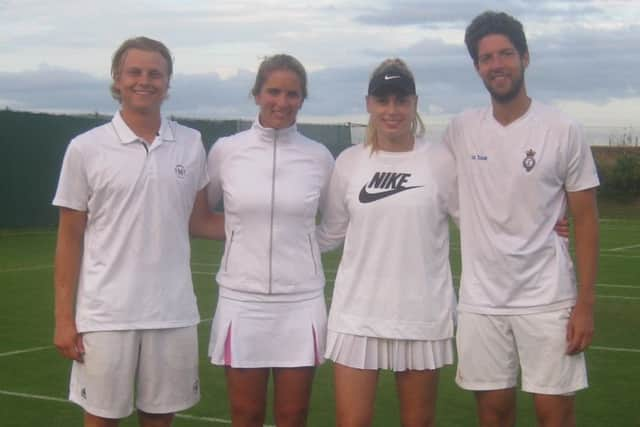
{"type": "Point", "coordinates": [363, 352]}
{"type": "Point", "coordinates": [265, 334]}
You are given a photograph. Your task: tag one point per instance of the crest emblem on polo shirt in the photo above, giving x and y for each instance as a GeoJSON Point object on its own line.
{"type": "Point", "coordinates": [529, 161]}
{"type": "Point", "coordinates": [181, 172]}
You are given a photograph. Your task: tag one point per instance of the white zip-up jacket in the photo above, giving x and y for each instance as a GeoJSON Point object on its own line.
{"type": "Point", "coordinates": [272, 182]}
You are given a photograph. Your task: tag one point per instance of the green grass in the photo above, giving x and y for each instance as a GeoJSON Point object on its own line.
{"type": "Point", "coordinates": [41, 376]}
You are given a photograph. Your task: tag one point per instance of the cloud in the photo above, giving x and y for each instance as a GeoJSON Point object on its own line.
{"type": "Point", "coordinates": [54, 89]}
{"type": "Point", "coordinates": [456, 12]}
{"type": "Point", "coordinates": [579, 66]}
{"type": "Point", "coordinates": [588, 66]}
{"type": "Point", "coordinates": [581, 51]}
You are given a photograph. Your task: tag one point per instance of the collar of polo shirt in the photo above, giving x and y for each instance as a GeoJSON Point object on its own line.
{"type": "Point", "coordinates": [127, 136]}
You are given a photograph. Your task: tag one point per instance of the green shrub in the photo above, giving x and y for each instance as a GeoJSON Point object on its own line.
{"type": "Point", "coordinates": [621, 180]}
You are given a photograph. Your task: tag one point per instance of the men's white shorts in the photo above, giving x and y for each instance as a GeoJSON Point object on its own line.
{"type": "Point", "coordinates": [161, 364]}
{"type": "Point", "coordinates": [492, 349]}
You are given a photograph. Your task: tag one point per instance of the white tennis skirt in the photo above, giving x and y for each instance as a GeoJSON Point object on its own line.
{"type": "Point", "coordinates": [363, 352]}
{"type": "Point", "coordinates": [259, 334]}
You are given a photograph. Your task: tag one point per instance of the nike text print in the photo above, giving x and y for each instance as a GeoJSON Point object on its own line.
{"type": "Point", "coordinates": [392, 182]}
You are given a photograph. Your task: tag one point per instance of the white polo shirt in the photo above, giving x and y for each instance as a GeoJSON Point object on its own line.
{"type": "Point", "coordinates": [513, 182]}
{"type": "Point", "coordinates": [135, 271]}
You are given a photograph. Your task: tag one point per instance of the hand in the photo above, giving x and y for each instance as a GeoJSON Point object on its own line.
{"type": "Point", "coordinates": [562, 228]}
{"type": "Point", "coordinates": [579, 328]}
{"type": "Point", "coordinates": [68, 341]}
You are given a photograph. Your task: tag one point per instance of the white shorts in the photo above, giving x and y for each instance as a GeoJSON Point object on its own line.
{"type": "Point", "coordinates": [161, 364]}
{"type": "Point", "coordinates": [363, 352]}
{"type": "Point", "coordinates": [274, 334]}
{"type": "Point", "coordinates": [493, 348]}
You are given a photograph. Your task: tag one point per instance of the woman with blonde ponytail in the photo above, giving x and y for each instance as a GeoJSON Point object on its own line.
{"type": "Point", "coordinates": [393, 302]}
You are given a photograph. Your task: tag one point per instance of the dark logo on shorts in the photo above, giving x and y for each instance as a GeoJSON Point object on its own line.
{"type": "Point", "coordinates": [196, 387]}
{"type": "Point", "coordinates": [181, 172]}
{"type": "Point", "coordinates": [391, 182]}
{"type": "Point", "coordinates": [83, 393]}
{"type": "Point", "coordinates": [529, 161]}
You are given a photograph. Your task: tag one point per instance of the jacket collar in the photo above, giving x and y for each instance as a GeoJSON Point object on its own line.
{"type": "Point", "coordinates": [270, 134]}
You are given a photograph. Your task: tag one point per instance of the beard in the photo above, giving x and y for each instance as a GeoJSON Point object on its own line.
{"type": "Point", "coordinates": [506, 97]}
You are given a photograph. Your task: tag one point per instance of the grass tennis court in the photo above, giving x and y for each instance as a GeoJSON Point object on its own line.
{"type": "Point", "coordinates": [34, 379]}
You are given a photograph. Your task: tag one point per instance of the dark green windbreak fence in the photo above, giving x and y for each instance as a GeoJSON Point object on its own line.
{"type": "Point", "coordinates": [32, 146]}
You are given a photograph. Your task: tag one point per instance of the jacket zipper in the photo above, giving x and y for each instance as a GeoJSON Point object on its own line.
{"type": "Point", "coordinates": [226, 260]}
{"type": "Point", "coordinates": [273, 196]}
{"type": "Point", "coordinates": [313, 256]}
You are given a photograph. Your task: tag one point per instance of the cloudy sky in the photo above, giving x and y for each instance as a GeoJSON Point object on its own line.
{"type": "Point", "coordinates": [55, 56]}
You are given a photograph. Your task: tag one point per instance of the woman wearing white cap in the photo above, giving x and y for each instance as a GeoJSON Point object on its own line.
{"type": "Point", "coordinates": [393, 303]}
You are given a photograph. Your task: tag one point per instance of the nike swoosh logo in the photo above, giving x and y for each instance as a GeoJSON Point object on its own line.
{"type": "Point", "coordinates": [386, 77]}
{"type": "Point", "coordinates": [366, 197]}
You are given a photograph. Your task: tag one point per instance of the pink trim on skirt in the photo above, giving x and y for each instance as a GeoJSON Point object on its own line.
{"type": "Point", "coordinates": [247, 334]}
{"type": "Point", "coordinates": [315, 346]}
{"type": "Point", "coordinates": [227, 347]}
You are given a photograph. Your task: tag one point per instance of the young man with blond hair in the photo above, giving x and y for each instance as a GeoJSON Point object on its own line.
{"type": "Point", "coordinates": [125, 310]}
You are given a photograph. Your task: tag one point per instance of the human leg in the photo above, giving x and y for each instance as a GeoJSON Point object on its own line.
{"type": "Point", "coordinates": [488, 365]}
{"type": "Point", "coordinates": [247, 390]}
{"type": "Point", "coordinates": [496, 408]}
{"type": "Point", "coordinates": [95, 421]}
{"type": "Point", "coordinates": [154, 420]}
{"type": "Point", "coordinates": [292, 387]}
{"type": "Point", "coordinates": [554, 410]}
{"type": "Point", "coordinates": [355, 395]}
{"type": "Point", "coordinates": [417, 392]}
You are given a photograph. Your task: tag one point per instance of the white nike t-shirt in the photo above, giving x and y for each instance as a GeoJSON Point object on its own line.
{"type": "Point", "coordinates": [392, 209]}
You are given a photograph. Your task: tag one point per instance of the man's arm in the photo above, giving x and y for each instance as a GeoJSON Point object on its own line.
{"type": "Point", "coordinates": [203, 223]}
{"type": "Point", "coordinates": [584, 211]}
{"type": "Point", "coordinates": [68, 258]}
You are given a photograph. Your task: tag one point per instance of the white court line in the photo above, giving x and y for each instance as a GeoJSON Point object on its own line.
{"type": "Point", "coordinates": [619, 350]}
{"type": "Point", "coordinates": [27, 350]}
{"type": "Point", "coordinates": [33, 267]}
{"type": "Point", "coordinates": [617, 297]}
{"type": "Point", "coordinates": [621, 248]}
{"type": "Point", "coordinates": [34, 396]}
{"type": "Point", "coordinates": [607, 255]}
{"type": "Point", "coordinates": [207, 419]}
{"type": "Point", "coordinates": [57, 399]}
{"type": "Point", "coordinates": [606, 285]}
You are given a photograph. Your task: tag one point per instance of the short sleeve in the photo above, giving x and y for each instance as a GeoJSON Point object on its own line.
{"type": "Point", "coordinates": [203, 175]}
{"type": "Point", "coordinates": [581, 171]}
{"type": "Point", "coordinates": [73, 189]}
